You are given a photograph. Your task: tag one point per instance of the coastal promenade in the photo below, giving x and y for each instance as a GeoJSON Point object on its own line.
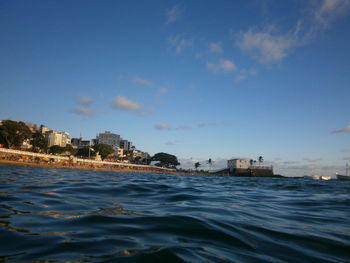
{"type": "Point", "coordinates": [25, 158]}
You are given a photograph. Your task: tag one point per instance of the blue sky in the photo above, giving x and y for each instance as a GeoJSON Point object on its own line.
{"type": "Point", "coordinates": [198, 79]}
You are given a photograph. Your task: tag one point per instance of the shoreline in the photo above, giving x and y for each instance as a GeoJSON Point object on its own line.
{"type": "Point", "coordinates": [98, 169]}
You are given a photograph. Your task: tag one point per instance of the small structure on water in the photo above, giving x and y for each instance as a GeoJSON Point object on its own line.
{"type": "Point", "coordinates": [237, 163]}
{"type": "Point", "coordinates": [241, 167]}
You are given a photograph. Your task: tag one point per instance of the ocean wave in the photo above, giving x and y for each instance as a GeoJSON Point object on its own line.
{"type": "Point", "coordinates": [85, 216]}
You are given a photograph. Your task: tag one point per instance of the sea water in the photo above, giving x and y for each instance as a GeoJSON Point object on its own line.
{"type": "Point", "coordinates": [61, 215]}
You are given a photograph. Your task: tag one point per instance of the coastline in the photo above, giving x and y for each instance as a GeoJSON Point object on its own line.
{"type": "Point", "coordinates": [99, 169]}
{"type": "Point", "coordinates": [83, 167]}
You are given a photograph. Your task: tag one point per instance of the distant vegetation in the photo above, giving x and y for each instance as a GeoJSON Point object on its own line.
{"type": "Point", "coordinates": [13, 133]}
{"type": "Point", "coordinates": [103, 149]}
{"type": "Point", "coordinates": [165, 160]}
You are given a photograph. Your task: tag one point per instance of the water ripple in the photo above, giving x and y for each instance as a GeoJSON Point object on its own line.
{"type": "Point", "coordinates": [82, 216]}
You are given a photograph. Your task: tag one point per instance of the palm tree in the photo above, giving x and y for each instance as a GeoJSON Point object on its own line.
{"type": "Point", "coordinates": [210, 163]}
{"type": "Point", "coordinates": [251, 162]}
{"type": "Point", "coordinates": [196, 165]}
{"type": "Point", "coordinates": [261, 159]}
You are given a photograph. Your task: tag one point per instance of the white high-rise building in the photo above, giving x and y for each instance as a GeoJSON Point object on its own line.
{"type": "Point", "coordinates": [108, 138]}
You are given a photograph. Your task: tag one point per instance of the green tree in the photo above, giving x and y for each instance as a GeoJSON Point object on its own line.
{"type": "Point", "coordinates": [69, 149]}
{"type": "Point", "coordinates": [55, 149]}
{"type": "Point", "coordinates": [137, 159]}
{"type": "Point", "coordinates": [84, 152]}
{"type": "Point", "coordinates": [165, 160]}
{"type": "Point", "coordinates": [13, 133]}
{"type": "Point", "coordinates": [196, 165]}
{"type": "Point", "coordinates": [146, 159]}
{"type": "Point", "coordinates": [103, 149]}
{"type": "Point", "coordinates": [38, 142]}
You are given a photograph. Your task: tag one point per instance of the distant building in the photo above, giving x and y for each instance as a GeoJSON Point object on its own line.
{"type": "Point", "coordinates": [120, 153]}
{"type": "Point", "coordinates": [137, 153]}
{"type": "Point", "coordinates": [43, 129]}
{"type": "Point", "coordinates": [57, 138]}
{"type": "Point", "coordinates": [108, 138]}
{"type": "Point", "coordinates": [125, 145]}
{"type": "Point", "coordinates": [240, 163]}
{"type": "Point", "coordinates": [80, 143]}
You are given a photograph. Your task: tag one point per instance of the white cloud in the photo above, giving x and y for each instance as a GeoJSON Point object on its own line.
{"type": "Point", "coordinates": [139, 81]}
{"type": "Point", "coordinates": [179, 44]}
{"type": "Point", "coordinates": [215, 47]}
{"type": "Point", "coordinates": [174, 13]}
{"type": "Point", "coordinates": [124, 103]}
{"type": "Point", "coordinates": [84, 110]}
{"type": "Point", "coordinates": [163, 126]}
{"type": "Point", "coordinates": [244, 73]}
{"type": "Point", "coordinates": [223, 65]}
{"type": "Point", "coordinates": [343, 130]}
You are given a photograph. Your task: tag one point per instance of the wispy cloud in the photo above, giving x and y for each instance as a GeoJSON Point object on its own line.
{"type": "Point", "coordinates": [328, 10]}
{"type": "Point", "coordinates": [224, 65]}
{"type": "Point", "coordinates": [345, 150]}
{"type": "Point", "coordinates": [84, 110]}
{"type": "Point", "coordinates": [206, 124]}
{"type": "Point", "coordinates": [163, 126]}
{"type": "Point", "coordinates": [162, 91]}
{"type": "Point", "coordinates": [169, 127]}
{"type": "Point", "coordinates": [244, 73]}
{"type": "Point", "coordinates": [174, 13]}
{"type": "Point", "coordinates": [185, 127]}
{"type": "Point", "coordinates": [227, 123]}
{"type": "Point", "coordinates": [123, 103]}
{"type": "Point", "coordinates": [84, 100]}
{"type": "Point", "coordinates": [287, 163]}
{"type": "Point", "coordinates": [343, 130]}
{"type": "Point", "coordinates": [178, 44]}
{"type": "Point", "coordinates": [215, 47]}
{"type": "Point", "coordinates": [269, 45]}
{"type": "Point", "coordinates": [310, 160]}
{"type": "Point", "coordinates": [169, 143]}
{"type": "Point", "coordinates": [140, 81]}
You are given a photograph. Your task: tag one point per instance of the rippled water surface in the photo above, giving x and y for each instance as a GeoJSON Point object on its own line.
{"type": "Point", "coordinates": [49, 215]}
